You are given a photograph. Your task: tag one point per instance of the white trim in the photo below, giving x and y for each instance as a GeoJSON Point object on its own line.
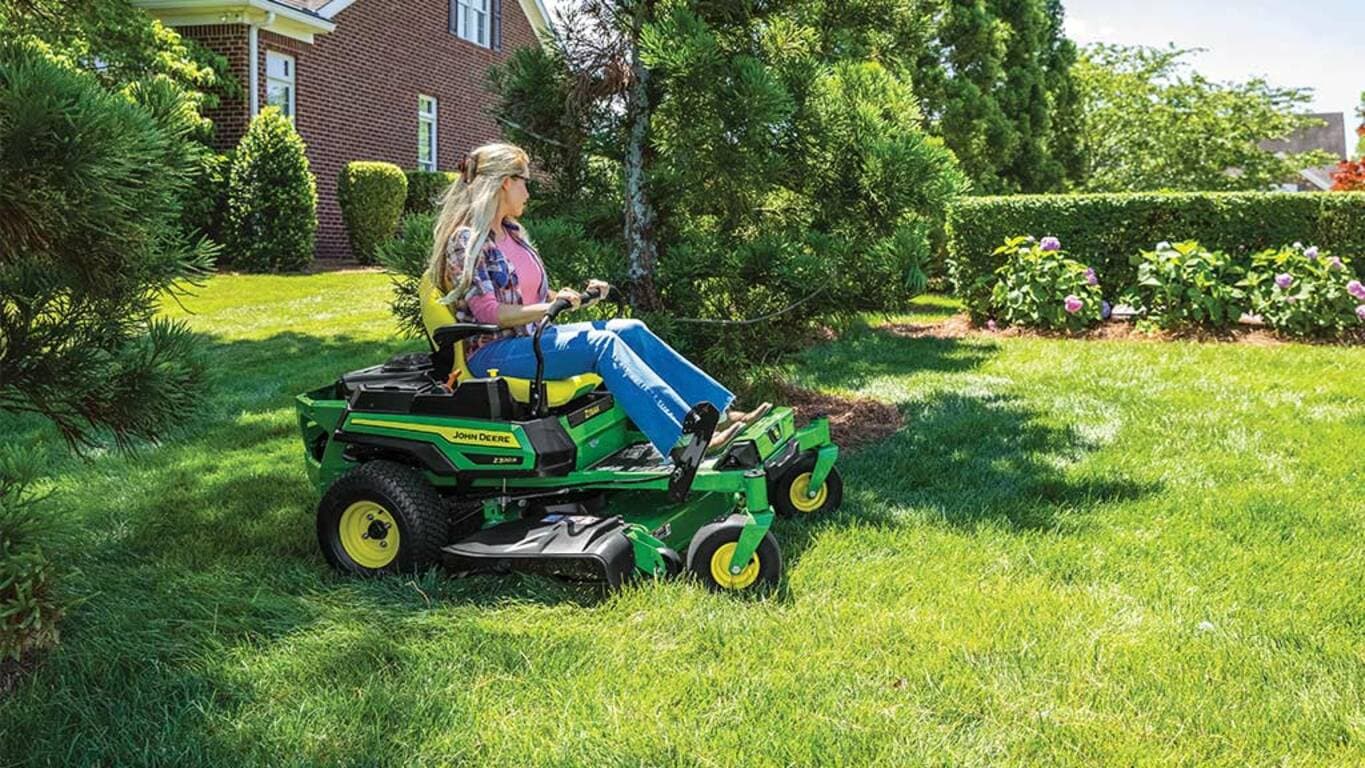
{"type": "Point", "coordinates": [253, 68]}
{"type": "Point", "coordinates": [435, 128]}
{"type": "Point", "coordinates": [331, 9]}
{"type": "Point", "coordinates": [269, 15]}
{"type": "Point", "coordinates": [291, 82]}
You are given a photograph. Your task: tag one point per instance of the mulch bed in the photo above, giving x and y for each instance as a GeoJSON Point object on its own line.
{"type": "Point", "coordinates": [854, 422]}
{"type": "Point", "coordinates": [960, 326]}
{"type": "Point", "coordinates": [11, 671]}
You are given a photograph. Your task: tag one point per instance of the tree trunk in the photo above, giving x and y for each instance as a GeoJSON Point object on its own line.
{"type": "Point", "coordinates": [641, 250]}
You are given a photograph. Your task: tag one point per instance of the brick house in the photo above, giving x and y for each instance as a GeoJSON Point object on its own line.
{"type": "Point", "coordinates": [403, 81]}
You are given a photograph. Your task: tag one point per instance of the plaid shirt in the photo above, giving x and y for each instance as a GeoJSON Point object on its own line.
{"type": "Point", "coordinates": [493, 274]}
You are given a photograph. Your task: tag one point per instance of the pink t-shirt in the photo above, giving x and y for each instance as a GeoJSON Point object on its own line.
{"type": "Point", "coordinates": [530, 281]}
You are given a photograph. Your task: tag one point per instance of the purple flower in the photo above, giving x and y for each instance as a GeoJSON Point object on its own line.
{"type": "Point", "coordinates": [1090, 277]}
{"type": "Point", "coordinates": [990, 325]}
{"type": "Point", "coordinates": [1356, 289]}
{"type": "Point", "coordinates": [1312, 252]}
{"type": "Point", "coordinates": [1360, 312]}
{"type": "Point", "coordinates": [1073, 304]}
{"type": "Point", "coordinates": [1105, 310]}
{"type": "Point", "coordinates": [1284, 280]}
{"type": "Point", "coordinates": [1335, 264]}
{"type": "Point", "coordinates": [1050, 244]}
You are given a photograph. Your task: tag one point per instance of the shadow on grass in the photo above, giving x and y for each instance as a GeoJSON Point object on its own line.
{"type": "Point", "coordinates": [867, 353]}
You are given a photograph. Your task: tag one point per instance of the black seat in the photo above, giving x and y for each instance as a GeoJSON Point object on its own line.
{"type": "Point", "coordinates": [448, 335]}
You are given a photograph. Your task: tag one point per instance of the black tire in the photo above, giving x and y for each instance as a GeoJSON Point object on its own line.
{"type": "Point", "coordinates": [404, 499]}
{"type": "Point", "coordinates": [711, 538]}
{"type": "Point", "coordinates": [780, 492]}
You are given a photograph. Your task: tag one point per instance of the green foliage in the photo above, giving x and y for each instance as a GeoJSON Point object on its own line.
{"type": "Point", "coordinates": [371, 196]}
{"type": "Point", "coordinates": [91, 187]}
{"type": "Point", "coordinates": [1150, 126]}
{"type": "Point", "coordinates": [272, 199]}
{"type": "Point", "coordinates": [997, 82]}
{"type": "Point", "coordinates": [793, 178]}
{"type": "Point", "coordinates": [1104, 230]}
{"type": "Point", "coordinates": [29, 604]}
{"type": "Point", "coordinates": [405, 257]}
{"type": "Point", "coordinates": [1040, 287]}
{"type": "Point", "coordinates": [1184, 285]}
{"type": "Point", "coordinates": [1304, 292]}
{"type": "Point", "coordinates": [425, 189]}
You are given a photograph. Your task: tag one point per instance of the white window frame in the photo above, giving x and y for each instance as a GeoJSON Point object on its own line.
{"type": "Point", "coordinates": [427, 110]}
{"type": "Point", "coordinates": [468, 15]}
{"type": "Point", "coordinates": [288, 80]}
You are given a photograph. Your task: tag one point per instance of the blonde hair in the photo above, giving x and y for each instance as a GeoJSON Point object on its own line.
{"type": "Point", "coordinates": [472, 202]}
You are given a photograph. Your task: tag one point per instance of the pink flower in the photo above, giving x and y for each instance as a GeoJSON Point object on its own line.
{"type": "Point", "coordinates": [1356, 289]}
{"type": "Point", "coordinates": [990, 325]}
{"type": "Point", "coordinates": [1335, 264]}
{"type": "Point", "coordinates": [1090, 277]}
{"type": "Point", "coordinates": [1073, 304]}
{"type": "Point", "coordinates": [1360, 312]}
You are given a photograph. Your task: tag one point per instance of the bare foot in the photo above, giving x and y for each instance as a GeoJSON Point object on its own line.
{"type": "Point", "coordinates": [740, 417]}
{"type": "Point", "coordinates": [722, 437]}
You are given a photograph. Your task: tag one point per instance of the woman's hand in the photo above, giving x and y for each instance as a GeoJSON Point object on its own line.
{"type": "Point", "coordinates": [599, 287]}
{"type": "Point", "coordinates": [570, 295]}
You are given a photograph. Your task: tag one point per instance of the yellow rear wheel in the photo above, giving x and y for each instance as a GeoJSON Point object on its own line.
{"type": "Point", "coordinates": [382, 517]}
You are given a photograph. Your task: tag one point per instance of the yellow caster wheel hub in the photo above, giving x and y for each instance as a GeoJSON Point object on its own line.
{"type": "Point", "coordinates": [720, 568]}
{"type": "Point", "coordinates": [800, 497]}
{"type": "Point", "coordinates": [369, 534]}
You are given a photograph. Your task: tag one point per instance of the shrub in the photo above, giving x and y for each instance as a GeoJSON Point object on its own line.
{"type": "Point", "coordinates": [1306, 291]}
{"type": "Point", "coordinates": [1040, 287]}
{"type": "Point", "coordinates": [206, 201]}
{"type": "Point", "coordinates": [1103, 230]}
{"type": "Point", "coordinates": [425, 189]}
{"type": "Point", "coordinates": [272, 199]}
{"type": "Point", "coordinates": [1186, 285]}
{"type": "Point", "coordinates": [371, 196]}
{"type": "Point", "coordinates": [405, 258]}
{"type": "Point", "coordinates": [29, 604]}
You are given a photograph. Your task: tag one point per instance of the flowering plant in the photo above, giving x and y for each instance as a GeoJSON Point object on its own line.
{"type": "Point", "coordinates": [1305, 292]}
{"type": "Point", "coordinates": [1187, 285]}
{"type": "Point", "coordinates": [1039, 286]}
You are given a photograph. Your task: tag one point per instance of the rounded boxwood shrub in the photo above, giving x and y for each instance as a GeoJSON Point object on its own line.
{"type": "Point", "coordinates": [272, 220]}
{"type": "Point", "coordinates": [1306, 292]}
{"type": "Point", "coordinates": [425, 189]}
{"type": "Point", "coordinates": [1039, 287]}
{"type": "Point", "coordinates": [371, 196]}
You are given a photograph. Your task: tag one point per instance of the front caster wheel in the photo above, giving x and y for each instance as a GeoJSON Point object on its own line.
{"type": "Point", "coordinates": [709, 555]}
{"type": "Point", "coordinates": [791, 496]}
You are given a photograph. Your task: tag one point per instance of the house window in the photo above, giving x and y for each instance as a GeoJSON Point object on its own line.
{"type": "Point", "coordinates": [471, 20]}
{"type": "Point", "coordinates": [279, 82]}
{"type": "Point", "coordinates": [426, 133]}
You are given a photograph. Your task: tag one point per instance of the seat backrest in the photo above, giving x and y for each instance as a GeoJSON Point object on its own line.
{"type": "Point", "coordinates": [436, 315]}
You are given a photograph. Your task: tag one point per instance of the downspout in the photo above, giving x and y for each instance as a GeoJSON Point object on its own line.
{"type": "Point", "coordinates": [253, 75]}
{"type": "Point", "coordinates": [253, 66]}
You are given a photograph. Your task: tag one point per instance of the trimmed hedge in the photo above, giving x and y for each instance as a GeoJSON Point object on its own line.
{"type": "Point", "coordinates": [1105, 230]}
{"type": "Point", "coordinates": [424, 190]}
{"type": "Point", "coordinates": [371, 196]}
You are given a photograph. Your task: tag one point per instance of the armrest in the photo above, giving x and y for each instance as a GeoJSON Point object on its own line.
{"type": "Point", "coordinates": [448, 335]}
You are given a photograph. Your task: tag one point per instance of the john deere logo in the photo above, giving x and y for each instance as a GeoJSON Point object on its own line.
{"type": "Point", "coordinates": [455, 435]}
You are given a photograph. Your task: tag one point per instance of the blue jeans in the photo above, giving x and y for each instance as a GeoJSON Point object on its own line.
{"type": "Point", "coordinates": [653, 383]}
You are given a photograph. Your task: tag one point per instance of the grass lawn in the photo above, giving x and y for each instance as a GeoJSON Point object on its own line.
{"type": "Point", "coordinates": [1074, 553]}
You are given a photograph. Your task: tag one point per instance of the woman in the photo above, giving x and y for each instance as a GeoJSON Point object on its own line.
{"type": "Point", "coordinates": [484, 261]}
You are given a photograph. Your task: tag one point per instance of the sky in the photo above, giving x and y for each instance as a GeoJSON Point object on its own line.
{"type": "Point", "coordinates": [1319, 44]}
